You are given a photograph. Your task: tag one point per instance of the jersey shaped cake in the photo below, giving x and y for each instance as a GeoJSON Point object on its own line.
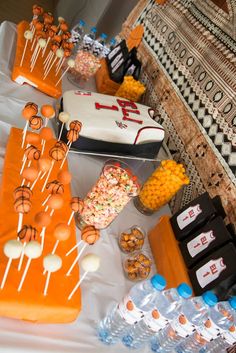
{"type": "Point", "coordinates": [112, 125]}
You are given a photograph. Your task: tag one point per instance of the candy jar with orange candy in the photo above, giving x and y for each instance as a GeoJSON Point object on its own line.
{"type": "Point", "coordinates": [161, 186]}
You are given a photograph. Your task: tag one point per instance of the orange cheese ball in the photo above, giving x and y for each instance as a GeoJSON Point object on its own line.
{"type": "Point", "coordinates": [30, 173]}
{"type": "Point", "coordinates": [163, 184]}
{"type": "Point", "coordinates": [48, 111]}
{"type": "Point", "coordinates": [46, 133]}
{"type": "Point", "coordinates": [62, 231]}
{"type": "Point", "coordinates": [42, 219]}
{"type": "Point", "coordinates": [64, 177]}
{"type": "Point", "coordinates": [55, 202]}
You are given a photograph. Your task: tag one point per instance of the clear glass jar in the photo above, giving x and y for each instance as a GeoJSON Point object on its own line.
{"type": "Point", "coordinates": [137, 267]}
{"type": "Point", "coordinates": [113, 190]}
{"type": "Point", "coordinates": [131, 240]}
{"type": "Point", "coordinates": [160, 187]}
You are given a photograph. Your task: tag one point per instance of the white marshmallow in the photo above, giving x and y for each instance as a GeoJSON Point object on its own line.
{"type": "Point", "coordinates": [13, 249]}
{"type": "Point", "coordinates": [52, 263]}
{"type": "Point", "coordinates": [33, 249]}
{"type": "Point", "coordinates": [90, 263]}
{"type": "Point", "coordinates": [64, 117]}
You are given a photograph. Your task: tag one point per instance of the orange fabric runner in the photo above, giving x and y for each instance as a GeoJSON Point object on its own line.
{"type": "Point", "coordinates": [30, 303]}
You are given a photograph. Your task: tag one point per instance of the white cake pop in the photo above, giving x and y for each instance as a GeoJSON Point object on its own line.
{"type": "Point", "coordinates": [32, 250]}
{"type": "Point", "coordinates": [70, 65]}
{"type": "Point", "coordinates": [51, 263]}
{"type": "Point", "coordinates": [64, 118]}
{"type": "Point", "coordinates": [89, 263]}
{"type": "Point", "coordinates": [28, 35]}
{"type": "Point", "coordinates": [12, 249]}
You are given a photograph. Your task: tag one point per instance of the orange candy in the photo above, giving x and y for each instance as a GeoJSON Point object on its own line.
{"type": "Point", "coordinates": [90, 234]}
{"type": "Point", "coordinates": [48, 111]}
{"type": "Point", "coordinates": [64, 177]}
{"type": "Point", "coordinates": [62, 231]}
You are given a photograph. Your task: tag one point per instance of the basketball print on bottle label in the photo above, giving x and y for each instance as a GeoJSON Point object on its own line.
{"type": "Point", "coordinates": [128, 310]}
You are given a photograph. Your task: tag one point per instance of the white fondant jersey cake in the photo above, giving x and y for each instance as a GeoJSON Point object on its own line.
{"type": "Point", "coordinates": [113, 120]}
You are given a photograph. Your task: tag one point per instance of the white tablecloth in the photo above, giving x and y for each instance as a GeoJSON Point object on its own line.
{"type": "Point", "coordinates": [99, 290]}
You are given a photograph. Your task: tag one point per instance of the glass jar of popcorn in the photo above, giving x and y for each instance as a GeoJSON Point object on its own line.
{"type": "Point", "coordinates": [161, 186]}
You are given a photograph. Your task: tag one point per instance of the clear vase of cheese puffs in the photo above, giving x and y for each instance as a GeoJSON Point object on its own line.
{"type": "Point", "coordinates": [137, 267]}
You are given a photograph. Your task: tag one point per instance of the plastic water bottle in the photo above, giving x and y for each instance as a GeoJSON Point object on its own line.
{"type": "Point", "coordinates": [139, 300]}
{"type": "Point", "coordinates": [166, 307]}
{"type": "Point", "coordinates": [220, 344]}
{"type": "Point", "coordinates": [110, 46]}
{"type": "Point", "coordinates": [194, 312]}
{"type": "Point", "coordinates": [99, 45]}
{"type": "Point", "coordinates": [219, 330]}
{"type": "Point", "coordinates": [77, 32]}
{"type": "Point", "coordinates": [88, 40]}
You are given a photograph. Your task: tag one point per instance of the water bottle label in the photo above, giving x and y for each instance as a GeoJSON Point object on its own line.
{"type": "Point", "coordinates": [200, 243]}
{"type": "Point", "coordinates": [210, 271]}
{"type": "Point", "coordinates": [114, 52]}
{"type": "Point", "coordinates": [210, 331]}
{"type": "Point", "coordinates": [118, 65]}
{"type": "Point", "coordinates": [116, 60]}
{"type": "Point", "coordinates": [155, 321]}
{"type": "Point", "coordinates": [97, 48]}
{"type": "Point", "coordinates": [230, 335]}
{"type": "Point", "coordinates": [87, 43]}
{"type": "Point", "coordinates": [188, 216]}
{"type": "Point", "coordinates": [75, 36]}
{"type": "Point", "coordinates": [182, 326]}
{"type": "Point", "coordinates": [128, 310]}
{"type": "Point", "coordinates": [106, 51]}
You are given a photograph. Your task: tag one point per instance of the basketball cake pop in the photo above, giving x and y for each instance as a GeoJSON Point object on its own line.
{"type": "Point", "coordinates": [36, 122]}
{"type": "Point", "coordinates": [26, 234]}
{"type": "Point", "coordinates": [76, 205]}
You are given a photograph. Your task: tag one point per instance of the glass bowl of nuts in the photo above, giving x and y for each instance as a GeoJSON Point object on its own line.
{"type": "Point", "coordinates": [137, 267]}
{"type": "Point", "coordinates": [131, 240]}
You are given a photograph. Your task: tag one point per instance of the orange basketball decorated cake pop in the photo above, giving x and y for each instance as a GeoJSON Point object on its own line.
{"type": "Point", "coordinates": [29, 110]}
{"type": "Point", "coordinates": [57, 153]}
{"type": "Point", "coordinates": [90, 235]}
{"type": "Point", "coordinates": [22, 191]}
{"type": "Point", "coordinates": [32, 152]}
{"type": "Point", "coordinates": [62, 145]}
{"type": "Point", "coordinates": [72, 135]}
{"type": "Point", "coordinates": [55, 187]}
{"type": "Point", "coordinates": [27, 233]}
{"type": "Point", "coordinates": [76, 204]}
{"type": "Point", "coordinates": [76, 125]}
{"type": "Point", "coordinates": [35, 122]}
{"type": "Point", "coordinates": [22, 205]}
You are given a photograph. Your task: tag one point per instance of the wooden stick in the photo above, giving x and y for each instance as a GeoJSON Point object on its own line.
{"type": "Point", "coordinates": [6, 272]}
{"type": "Point", "coordinates": [74, 247]}
{"type": "Point", "coordinates": [23, 55]}
{"type": "Point", "coordinates": [46, 284]}
{"type": "Point", "coordinates": [77, 285]}
{"type": "Point", "coordinates": [62, 163]}
{"type": "Point", "coordinates": [62, 76]}
{"type": "Point", "coordinates": [46, 180]}
{"type": "Point", "coordinates": [76, 259]}
{"type": "Point", "coordinates": [24, 274]}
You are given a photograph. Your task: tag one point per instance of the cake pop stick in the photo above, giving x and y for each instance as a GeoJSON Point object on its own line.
{"type": "Point", "coordinates": [38, 28]}
{"type": "Point", "coordinates": [37, 11]}
{"type": "Point", "coordinates": [12, 249]}
{"type": "Point", "coordinates": [41, 44]}
{"type": "Point", "coordinates": [44, 165]}
{"type": "Point", "coordinates": [21, 205]}
{"type": "Point", "coordinates": [59, 53]}
{"type": "Point", "coordinates": [46, 134]}
{"type": "Point", "coordinates": [89, 235]}
{"type": "Point", "coordinates": [48, 112]}
{"type": "Point", "coordinates": [51, 263]}
{"type": "Point", "coordinates": [67, 54]}
{"type": "Point", "coordinates": [76, 205]}
{"type": "Point", "coordinates": [54, 187]}
{"type": "Point", "coordinates": [72, 136]}
{"type": "Point", "coordinates": [28, 35]}
{"type": "Point", "coordinates": [42, 219]}
{"type": "Point", "coordinates": [32, 251]}
{"type": "Point", "coordinates": [26, 234]}
{"type": "Point", "coordinates": [70, 65]}
{"type": "Point", "coordinates": [57, 153]}
{"type": "Point", "coordinates": [89, 263]}
{"type": "Point", "coordinates": [64, 118]}
{"type": "Point", "coordinates": [29, 110]}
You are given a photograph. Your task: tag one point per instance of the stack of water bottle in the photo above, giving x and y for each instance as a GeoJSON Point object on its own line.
{"type": "Point", "coordinates": [88, 41]}
{"type": "Point", "coordinates": [170, 320]}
